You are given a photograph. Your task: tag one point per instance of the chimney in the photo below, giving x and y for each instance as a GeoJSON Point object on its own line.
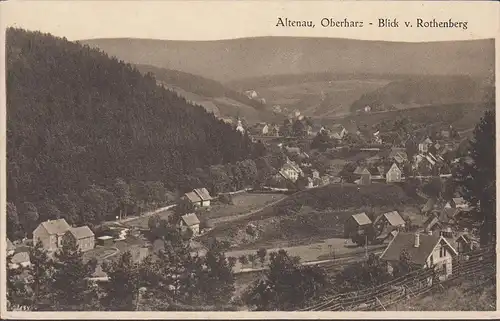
{"type": "Point", "coordinates": [417, 239]}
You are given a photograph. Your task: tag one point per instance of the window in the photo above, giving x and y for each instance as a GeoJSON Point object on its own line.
{"type": "Point", "coordinates": [442, 251]}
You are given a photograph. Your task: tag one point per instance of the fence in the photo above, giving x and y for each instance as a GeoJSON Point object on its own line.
{"type": "Point", "coordinates": [477, 264]}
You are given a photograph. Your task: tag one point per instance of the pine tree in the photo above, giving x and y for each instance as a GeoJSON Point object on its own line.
{"type": "Point", "coordinates": [478, 177]}
{"type": "Point", "coordinates": [72, 289]}
{"type": "Point", "coordinates": [122, 289]}
{"type": "Point", "coordinates": [40, 280]}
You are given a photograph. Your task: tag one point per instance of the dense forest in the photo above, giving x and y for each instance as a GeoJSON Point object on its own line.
{"type": "Point", "coordinates": [86, 133]}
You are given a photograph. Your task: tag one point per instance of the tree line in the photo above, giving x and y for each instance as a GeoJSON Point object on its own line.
{"type": "Point", "coordinates": [79, 120]}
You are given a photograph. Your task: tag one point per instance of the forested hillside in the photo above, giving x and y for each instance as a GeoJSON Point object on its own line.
{"type": "Point", "coordinates": [87, 134]}
{"type": "Point", "coordinates": [426, 90]}
{"type": "Point", "coordinates": [198, 85]}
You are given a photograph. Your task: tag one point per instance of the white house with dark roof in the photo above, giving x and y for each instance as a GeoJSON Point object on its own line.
{"type": "Point", "coordinates": [83, 236]}
{"type": "Point", "coordinates": [190, 221]}
{"type": "Point", "coordinates": [50, 233]}
{"type": "Point", "coordinates": [424, 251]}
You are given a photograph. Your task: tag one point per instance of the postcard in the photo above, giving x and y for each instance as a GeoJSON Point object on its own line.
{"type": "Point", "coordinates": [248, 159]}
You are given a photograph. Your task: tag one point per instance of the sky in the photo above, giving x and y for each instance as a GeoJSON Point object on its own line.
{"type": "Point", "coordinates": [211, 20]}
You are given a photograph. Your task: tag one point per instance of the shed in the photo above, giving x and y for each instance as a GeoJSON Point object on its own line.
{"type": "Point", "coordinates": [204, 196]}
{"type": "Point", "coordinates": [190, 221]}
{"type": "Point", "coordinates": [105, 240]}
{"type": "Point", "coordinates": [356, 223]}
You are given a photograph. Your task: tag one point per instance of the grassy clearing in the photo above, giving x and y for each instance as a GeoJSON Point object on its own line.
{"type": "Point", "coordinates": [311, 216]}
{"type": "Point", "coordinates": [242, 203]}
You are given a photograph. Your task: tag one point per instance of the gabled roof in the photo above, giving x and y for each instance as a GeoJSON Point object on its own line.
{"type": "Point", "coordinates": [361, 170]}
{"type": "Point", "coordinates": [406, 241]}
{"type": "Point", "coordinates": [81, 232]}
{"type": "Point", "coordinates": [58, 227]}
{"type": "Point", "coordinates": [203, 193]}
{"type": "Point", "coordinates": [427, 141]}
{"type": "Point", "coordinates": [393, 218]}
{"type": "Point", "coordinates": [190, 219]}
{"type": "Point", "coordinates": [193, 197]}
{"type": "Point", "coordinates": [459, 201]}
{"type": "Point", "coordinates": [10, 246]}
{"type": "Point", "coordinates": [394, 166]}
{"type": "Point", "coordinates": [448, 214]}
{"type": "Point", "coordinates": [430, 223]}
{"type": "Point", "coordinates": [429, 205]}
{"type": "Point", "coordinates": [20, 257]}
{"type": "Point", "coordinates": [362, 219]}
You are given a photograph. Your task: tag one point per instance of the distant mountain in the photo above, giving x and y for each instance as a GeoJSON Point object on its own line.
{"type": "Point", "coordinates": [425, 90]}
{"type": "Point", "coordinates": [229, 60]}
{"type": "Point", "coordinates": [208, 93]}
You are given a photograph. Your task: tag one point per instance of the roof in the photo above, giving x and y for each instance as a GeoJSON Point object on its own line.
{"type": "Point", "coordinates": [361, 170]}
{"type": "Point", "coordinates": [59, 226]}
{"type": "Point", "coordinates": [362, 219]}
{"type": "Point", "coordinates": [105, 237]}
{"type": "Point", "coordinates": [429, 205]}
{"type": "Point", "coordinates": [448, 214]}
{"type": "Point", "coordinates": [203, 193]}
{"type": "Point", "coordinates": [406, 241]}
{"type": "Point", "coordinates": [193, 197]}
{"type": "Point", "coordinates": [20, 257]}
{"type": "Point", "coordinates": [394, 218]}
{"type": "Point", "coordinates": [81, 232]}
{"type": "Point", "coordinates": [459, 201]}
{"type": "Point", "coordinates": [190, 219]}
{"type": "Point", "coordinates": [10, 246]}
{"type": "Point", "coordinates": [430, 222]}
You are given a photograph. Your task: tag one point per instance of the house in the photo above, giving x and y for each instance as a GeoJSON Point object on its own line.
{"type": "Point", "coordinates": [10, 247]}
{"type": "Point", "coordinates": [457, 202]}
{"type": "Point", "coordinates": [424, 251]}
{"type": "Point", "coordinates": [356, 223]}
{"type": "Point", "coordinates": [274, 130]}
{"type": "Point", "coordinates": [432, 224]}
{"type": "Point", "coordinates": [463, 243]}
{"type": "Point", "coordinates": [448, 216]}
{"type": "Point", "coordinates": [204, 196]}
{"type": "Point", "coordinates": [190, 221]}
{"type": "Point", "coordinates": [193, 198]}
{"type": "Point", "coordinates": [239, 127]}
{"type": "Point", "coordinates": [367, 109]}
{"type": "Point", "coordinates": [394, 174]}
{"type": "Point", "coordinates": [398, 156]}
{"type": "Point", "coordinates": [429, 205]}
{"type": "Point", "coordinates": [20, 259]}
{"type": "Point", "coordinates": [252, 94]}
{"type": "Point", "coordinates": [315, 173]}
{"type": "Point", "coordinates": [363, 176]}
{"type": "Point", "coordinates": [50, 233]}
{"type": "Point", "coordinates": [265, 130]}
{"type": "Point", "coordinates": [290, 171]}
{"type": "Point", "coordinates": [423, 147]}
{"type": "Point", "coordinates": [391, 220]}
{"type": "Point", "coordinates": [83, 236]}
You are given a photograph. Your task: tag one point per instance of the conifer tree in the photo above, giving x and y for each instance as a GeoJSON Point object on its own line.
{"type": "Point", "coordinates": [40, 280]}
{"type": "Point", "coordinates": [72, 289]}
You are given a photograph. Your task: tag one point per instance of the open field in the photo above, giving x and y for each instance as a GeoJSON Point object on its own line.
{"type": "Point", "coordinates": [311, 216]}
{"type": "Point", "coordinates": [242, 203]}
{"type": "Point", "coordinates": [319, 98]}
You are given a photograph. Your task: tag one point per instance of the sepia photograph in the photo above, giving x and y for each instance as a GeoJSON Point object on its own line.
{"type": "Point", "coordinates": [259, 159]}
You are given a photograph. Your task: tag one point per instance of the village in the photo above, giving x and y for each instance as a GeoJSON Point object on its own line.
{"type": "Point", "coordinates": [433, 231]}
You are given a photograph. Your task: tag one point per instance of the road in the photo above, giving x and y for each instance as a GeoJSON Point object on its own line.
{"type": "Point", "coordinates": [132, 218]}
